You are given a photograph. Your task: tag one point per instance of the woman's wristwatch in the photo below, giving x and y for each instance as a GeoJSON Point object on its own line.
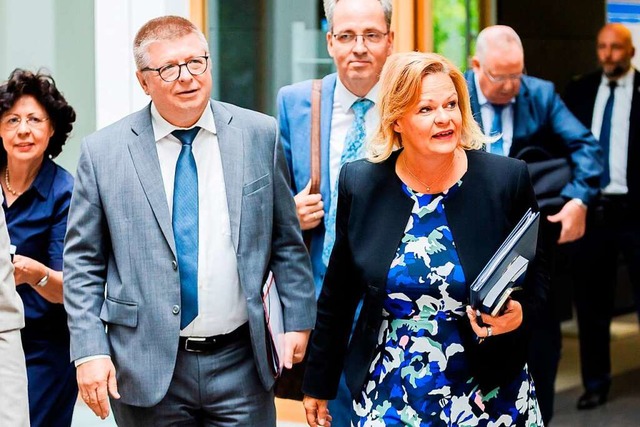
{"type": "Point", "coordinates": [43, 282]}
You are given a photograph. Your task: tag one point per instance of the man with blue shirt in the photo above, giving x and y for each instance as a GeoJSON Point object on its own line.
{"type": "Point", "coordinates": [359, 40]}
{"type": "Point", "coordinates": [524, 111]}
{"type": "Point", "coordinates": [606, 101]}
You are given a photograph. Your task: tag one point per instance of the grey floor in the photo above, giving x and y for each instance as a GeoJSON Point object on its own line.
{"type": "Point", "coordinates": [622, 410]}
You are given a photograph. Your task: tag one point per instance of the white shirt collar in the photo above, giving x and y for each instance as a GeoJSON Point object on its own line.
{"type": "Point", "coordinates": [345, 98]}
{"type": "Point", "coordinates": [162, 128]}
{"type": "Point", "coordinates": [625, 81]}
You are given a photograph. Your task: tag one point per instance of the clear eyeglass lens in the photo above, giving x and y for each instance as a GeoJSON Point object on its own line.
{"type": "Point", "coordinates": [195, 66]}
{"type": "Point", "coordinates": [169, 72]}
{"type": "Point", "coordinates": [371, 37]}
{"type": "Point", "coordinates": [504, 78]}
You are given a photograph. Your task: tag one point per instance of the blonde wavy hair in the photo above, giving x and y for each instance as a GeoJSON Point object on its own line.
{"type": "Point", "coordinates": [400, 88]}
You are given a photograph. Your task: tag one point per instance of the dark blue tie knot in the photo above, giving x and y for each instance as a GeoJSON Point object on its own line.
{"type": "Point", "coordinates": [497, 108]}
{"type": "Point", "coordinates": [186, 136]}
{"type": "Point", "coordinates": [613, 84]}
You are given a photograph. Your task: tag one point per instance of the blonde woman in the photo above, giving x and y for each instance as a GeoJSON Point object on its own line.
{"type": "Point", "coordinates": [416, 223]}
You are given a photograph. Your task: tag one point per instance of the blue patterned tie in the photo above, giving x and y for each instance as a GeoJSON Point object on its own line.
{"type": "Point", "coordinates": [352, 151]}
{"type": "Point", "coordinates": [185, 224]}
{"type": "Point", "coordinates": [496, 129]}
{"type": "Point", "coordinates": [605, 134]}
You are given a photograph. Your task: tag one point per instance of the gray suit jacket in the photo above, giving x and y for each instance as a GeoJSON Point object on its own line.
{"type": "Point", "coordinates": [11, 309]}
{"type": "Point", "coordinates": [14, 408]}
{"type": "Point", "coordinates": [120, 237]}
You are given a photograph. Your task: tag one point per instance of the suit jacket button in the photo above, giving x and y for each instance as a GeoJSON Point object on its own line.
{"type": "Point", "coordinates": [176, 309]}
{"type": "Point", "coordinates": [174, 265]}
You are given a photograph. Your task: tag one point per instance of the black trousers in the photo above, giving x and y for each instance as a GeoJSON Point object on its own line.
{"type": "Point", "coordinates": [613, 228]}
{"type": "Point", "coordinates": [546, 339]}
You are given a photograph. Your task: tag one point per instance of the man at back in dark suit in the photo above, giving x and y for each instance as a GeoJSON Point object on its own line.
{"type": "Point", "coordinates": [525, 112]}
{"type": "Point", "coordinates": [605, 101]}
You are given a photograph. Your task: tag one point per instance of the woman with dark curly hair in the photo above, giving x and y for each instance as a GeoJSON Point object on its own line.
{"type": "Point", "coordinates": [35, 122]}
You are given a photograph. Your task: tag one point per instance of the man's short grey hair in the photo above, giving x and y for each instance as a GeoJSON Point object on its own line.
{"type": "Point", "coordinates": [496, 37]}
{"type": "Point", "coordinates": [163, 28]}
{"type": "Point", "coordinates": [330, 5]}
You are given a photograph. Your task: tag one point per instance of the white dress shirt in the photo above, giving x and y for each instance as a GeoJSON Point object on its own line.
{"type": "Point", "coordinates": [221, 303]}
{"type": "Point", "coordinates": [619, 138]}
{"type": "Point", "coordinates": [342, 118]}
{"type": "Point", "coordinates": [487, 112]}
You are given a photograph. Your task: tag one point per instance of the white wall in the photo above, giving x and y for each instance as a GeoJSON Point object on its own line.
{"type": "Point", "coordinates": [56, 35]}
{"type": "Point", "coordinates": [118, 92]}
{"type": "Point", "coordinates": [87, 47]}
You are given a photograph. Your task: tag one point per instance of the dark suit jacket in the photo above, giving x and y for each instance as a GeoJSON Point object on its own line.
{"type": "Point", "coordinates": [541, 119]}
{"type": "Point", "coordinates": [372, 214]}
{"type": "Point", "coordinates": [580, 97]}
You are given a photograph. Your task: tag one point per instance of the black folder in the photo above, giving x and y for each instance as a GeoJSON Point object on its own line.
{"type": "Point", "coordinates": [496, 281]}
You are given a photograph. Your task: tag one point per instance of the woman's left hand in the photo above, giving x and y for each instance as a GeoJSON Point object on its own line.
{"type": "Point", "coordinates": [508, 321]}
{"type": "Point", "coordinates": [27, 270]}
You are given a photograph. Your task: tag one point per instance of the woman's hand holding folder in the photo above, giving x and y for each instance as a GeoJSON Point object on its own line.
{"type": "Point", "coordinates": [485, 326]}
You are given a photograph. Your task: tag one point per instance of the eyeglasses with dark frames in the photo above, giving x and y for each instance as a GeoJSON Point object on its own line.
{"type": "Point", "coordinates": [368, 37]}
{"type": "Point", "coordinates": [171, 72]}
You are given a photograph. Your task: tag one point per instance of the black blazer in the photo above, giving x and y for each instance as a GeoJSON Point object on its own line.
{"type": "Point", "coordinates": [580, 97]}
{"type": "Point", "coordinates": [372, 214]}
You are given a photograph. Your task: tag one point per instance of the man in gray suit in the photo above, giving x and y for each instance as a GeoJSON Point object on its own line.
{"type": "Point", "coordinates": [178, 213]}
{"type": "Point", "coordinates": [14, 401]}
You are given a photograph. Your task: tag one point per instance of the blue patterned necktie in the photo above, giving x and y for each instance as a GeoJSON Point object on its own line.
{"type": "Point", "coordinates": [352, 151]}
{"type": "Point", "coordinates": [496, 129]}
{"type": "Point", "coordinates": [605, 134]}
{"type": "Point", "coordinates": [185, 224]}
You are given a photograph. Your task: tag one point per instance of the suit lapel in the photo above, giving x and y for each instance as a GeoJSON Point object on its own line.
{"type": "Point", "coordinates": [390, 212]}
{"type": "Point", "coordinates": [326, 112]}
{"type": "Point", "coordinates": [590, 101]}
{"type": "Point", "coordinates": [634, 123]}
{"type": "Point", "coordinates": [145, 160]}
{"type": "Point", "coordinates": [230, 141]}
{"type": "Point", "coordinates": [523, 116]}
{"type": "Point", "coordinates": [473, 95]}
{"type": "Point", "coordinates": [634, 137]}
{"type": "Point", "coordinates": [466, 233]}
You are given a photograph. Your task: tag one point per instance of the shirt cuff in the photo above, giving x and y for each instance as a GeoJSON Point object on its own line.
{"type": "Point", "coordinates": [82, 360]}
{"type": "Point", "coordinates": [579, 202]}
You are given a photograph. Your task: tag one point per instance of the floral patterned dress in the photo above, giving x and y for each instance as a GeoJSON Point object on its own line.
{"type": "Point", "coordinates": [420, 375]}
